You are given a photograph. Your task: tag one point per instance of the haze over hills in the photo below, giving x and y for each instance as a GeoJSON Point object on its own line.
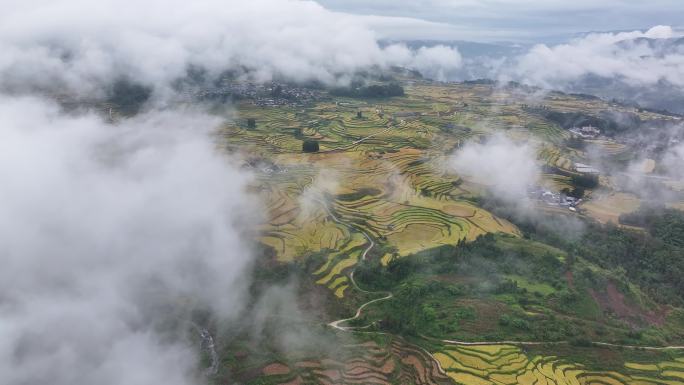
{"type": "Point", "coordinates": [627, 66]}
{"type": "Point", "coordinates": [300, 192]}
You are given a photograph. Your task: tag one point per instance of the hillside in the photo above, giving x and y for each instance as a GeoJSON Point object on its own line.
{"type": "Point", "coordinates": [452, 283]}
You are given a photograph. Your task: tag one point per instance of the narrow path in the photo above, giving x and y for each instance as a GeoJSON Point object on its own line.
{"type": "Point", "coordinates": [371, 244]}
{"type": "Point", "coordinates": [389, 295]}
{"type": "Point", "coordinates": [672, 347]}
{"type": "Point", "coordinates": [336, 324]}
{"type": "Point", "coordinates": [524, 343]}
{"type": "Point", "coordinates": [538, 343]}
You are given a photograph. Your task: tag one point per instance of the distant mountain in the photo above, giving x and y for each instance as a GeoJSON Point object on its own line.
{"type": "Point", "coordinates": [492, 60]}
{"type": "Point", "coordinates": [662, 95]}
{"type": "Point", "coordinates": [660, 47]}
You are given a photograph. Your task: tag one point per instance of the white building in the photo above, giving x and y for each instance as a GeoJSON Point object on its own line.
{"type": "Point", "coordinates": [585, 169]}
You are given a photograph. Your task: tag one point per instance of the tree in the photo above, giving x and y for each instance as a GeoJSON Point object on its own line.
{"type": "Point", "coordinates": [373, 91]}
{"type": "Point", "coordinates": [585, 180]}
{"type": "Point", "coordinates": [359, 115]}
{"type": "Point", "coordinates": [310, 146]}
{"type": "Point", "coordinates": [251, 123]}
{"type": "Point", "coordinates": [575, 142]}
{"type": "Point", "coordinates": [577, 192]}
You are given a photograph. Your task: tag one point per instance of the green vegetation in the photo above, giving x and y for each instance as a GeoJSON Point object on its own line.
{"type": "Point", "coordinates": [664, 224]}
{"type": "Point", "coordinates": [651, 260]}
{"type": "Point", "coordinates": [310, 146]}
{"type": "Point", "coordinates": [460, 265]}
{"type": "Point", "coordinates": [520, 281]}
{"type": "Point", "coordinates": [372, 91]}
{"type": "Point", "coordinates": [585, 180]}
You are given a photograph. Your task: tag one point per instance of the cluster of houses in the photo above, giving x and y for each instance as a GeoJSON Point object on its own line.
{"type": "Point", "coordinates": [554, 199]}
{"type": "Point", "coordinates": [265, 167]}
{"type": "Point", "coordinates": [278, 94]}
{"type": "Point", "coordinates": [586, 132]}
{"type": "Point", "coordinates": [273, 94]}
{"type": "Point", "coordinates": [585, 169]}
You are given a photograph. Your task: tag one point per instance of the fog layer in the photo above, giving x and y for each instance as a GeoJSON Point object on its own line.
{"type": "Point", "coordinates": [103, 226]}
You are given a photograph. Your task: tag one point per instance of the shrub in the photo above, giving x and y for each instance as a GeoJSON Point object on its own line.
{"type": "Point", "coordinates": [310, 146]}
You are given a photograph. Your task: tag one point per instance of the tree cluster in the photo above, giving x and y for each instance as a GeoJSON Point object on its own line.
{"type": "Point", "coordinates": [310, 146]}
{"type": "Point", "coordinates": [372, 91]}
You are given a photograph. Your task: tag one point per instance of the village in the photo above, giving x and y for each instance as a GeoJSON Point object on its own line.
{"type": "Point", "coordinates": [586, 132]}
{"type": "Point", "coordinates": [553, 199]}
{"type": "Point", "coordinates": [264, 95]}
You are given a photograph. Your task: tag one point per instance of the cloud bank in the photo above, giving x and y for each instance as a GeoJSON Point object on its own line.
{"type": "Point", "coordinates": [507, 168]}
{"type": "Point", "coordinates": [673, 162]}
{"type": "Point", "coordinates": [637, 58]}
{"type": "Point", "coordinates": [438, 62]}
{"type": "Point", "coordinates": [79, 46]}
{"type": "Point", "coordinates": [106, 229]}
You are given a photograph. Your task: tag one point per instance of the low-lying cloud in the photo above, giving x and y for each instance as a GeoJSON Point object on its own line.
{"type": "Point", "coordinates": [637, 58]}
{"type": "Point", "coordinates": [505, 167]}
{"type": "Point", "coordinates": [75, 46]}
{"type": "Point", "coordinates": [102, 227]}
{"type": "Point", "coordinates": [437, 62]}
{"type": "Point", "coordinates": [673, 162]}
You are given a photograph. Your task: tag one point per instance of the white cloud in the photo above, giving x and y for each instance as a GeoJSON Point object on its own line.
{"type": "Point", "coordinates": [438, 62]}
{"type": "Point", "coordinates": [673, 162]}
{"type": "Point", "coordinates": [104, 225]}
{"type": "Point", "coordinates": [507, 168]}
{"type": "Point", "coordinates": [78, 45]}
{"type": "Point", "coordinates": [623, 56]}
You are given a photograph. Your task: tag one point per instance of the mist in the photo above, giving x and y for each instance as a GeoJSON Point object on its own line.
{"type": "Point", "coordinates": [673, 162]}
{"type": "Point", "coordinates": [627, 55]}
{"type": "Point", "coordinates": [81, 47]}
{"type": "Point", "coordinates": [506, 168]}
{"type": "Point", "coordinates": [115, 232]}
{"type": "Point", "coordinates": [106, 228]}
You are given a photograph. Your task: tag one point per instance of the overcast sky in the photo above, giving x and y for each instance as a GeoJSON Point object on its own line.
{"type": "Point", "coordinates": [524, 20]}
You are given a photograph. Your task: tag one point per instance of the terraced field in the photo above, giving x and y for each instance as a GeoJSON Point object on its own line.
{"type": "Point", "coordinates": [381, 181]}
{"type": "Point", "coordinates": [554, 157]}
{"type": "Point", "coordinates": [508, 364]}
{"type": "Point", "coordinates": [382, 169]}
{"type": "Point", "coordinates": [369, 363]}
{"type": "Point", "coordinates": [399, 362]}
{"type": "Point", "coordinates": [383, 174]}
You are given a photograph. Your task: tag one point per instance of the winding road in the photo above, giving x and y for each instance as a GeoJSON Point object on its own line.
{"type": "Point", "coordinates": [389, 295]}
{"type": "Point", "coordinates": [371, 244]}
